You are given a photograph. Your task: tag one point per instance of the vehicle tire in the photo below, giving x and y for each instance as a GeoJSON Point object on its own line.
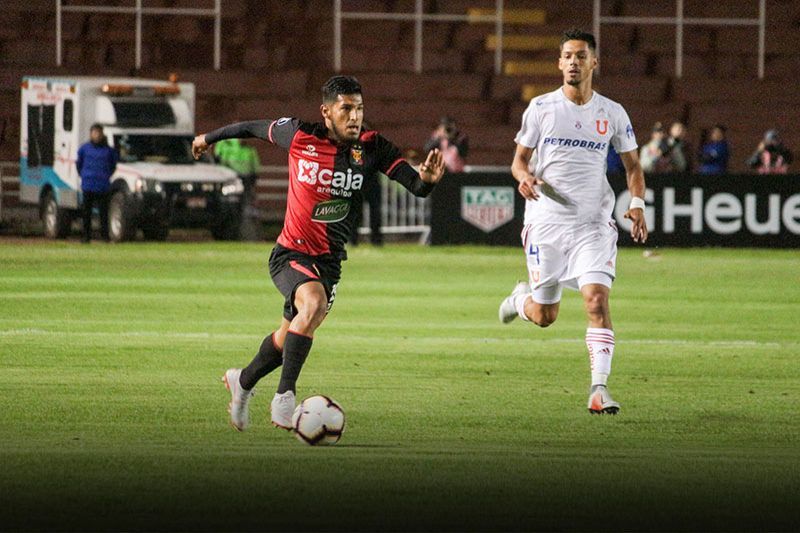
{"type": "Point", "coordinates": [57, 221]}
{"type": "Point", "coordinates": [121, 219]}
{"type": "Point", "coordinates": [226, 226]}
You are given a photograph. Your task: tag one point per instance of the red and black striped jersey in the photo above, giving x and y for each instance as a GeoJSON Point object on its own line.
{"type": "Point", "coordinates": [326, 180]}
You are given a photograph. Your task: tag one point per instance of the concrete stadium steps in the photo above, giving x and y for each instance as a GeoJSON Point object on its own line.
{"type": "Point", "coordinates": [246, 83]}
{"type": "Point", "coordinates": [393, 85]}
{"type": "Point", "coordinates": [512, 16]}
{"type": "Point", "coordinates": [532, 90]}
{"type": "Point", "coordinates": [633, 89]}
{"type": "Point", "coordinates": [268, 71]}
{"type": "Point", "coordinates": [426, 113]}
{"type": "Point", "coordinates": [550, 43]}
{"type": "Point", "coordinates": [530, 68]}
{"type": "Point", "coordinates": [395, 59]}
{"type": "Point", "coordinates": [736, 96]}
{"type": "Point", "coordinates": [510, 88]}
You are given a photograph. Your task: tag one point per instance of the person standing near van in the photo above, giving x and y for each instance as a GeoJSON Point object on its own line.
{"type": "Point", "coordinates": [96, 164]}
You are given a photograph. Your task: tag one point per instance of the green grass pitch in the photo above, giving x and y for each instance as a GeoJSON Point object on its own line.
{"type": "Point", "coordinates": [113, 416]}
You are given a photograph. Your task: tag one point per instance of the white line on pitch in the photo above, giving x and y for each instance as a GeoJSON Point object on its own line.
{"type": "Point", "coordinates": [207, 335]}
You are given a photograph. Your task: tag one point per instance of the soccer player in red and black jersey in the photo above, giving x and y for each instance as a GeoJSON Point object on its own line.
{"type": "Point", "coordinates": [329, 165]}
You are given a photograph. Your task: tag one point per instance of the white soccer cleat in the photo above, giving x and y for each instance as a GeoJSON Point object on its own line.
{"type": "Point", "coordinates": [508, 311]}
{"type": "Point", "coordinates": [282, 409]}
{"type": "Point", "coordinates": [601, 402]}
{"type": "Point", "coordinates": [240, 413]}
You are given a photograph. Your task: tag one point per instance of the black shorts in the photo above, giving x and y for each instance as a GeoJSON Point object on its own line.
{"type": "Point", "coordinates": [289, 269]}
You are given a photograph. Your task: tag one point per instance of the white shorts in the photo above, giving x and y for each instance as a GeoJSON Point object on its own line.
{"type": "Point", "coordinates": [561, 255]}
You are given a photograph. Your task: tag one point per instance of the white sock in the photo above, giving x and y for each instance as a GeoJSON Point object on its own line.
{"type": "Point", "coordinates": [519, 305]}
{"type": "Point", "coordinates": [600, 342]}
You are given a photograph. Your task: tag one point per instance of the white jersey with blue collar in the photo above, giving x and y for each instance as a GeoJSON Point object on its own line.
{"type": "Point", "coordinates": [571, 145]}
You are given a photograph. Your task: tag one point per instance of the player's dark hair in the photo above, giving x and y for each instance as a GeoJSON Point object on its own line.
{"type": "Point", "coordinates": [577, 34]}
{"type": "Point", "coordinates": [339, 85]}
{"type": "Point", "coordinates": [96, 126]}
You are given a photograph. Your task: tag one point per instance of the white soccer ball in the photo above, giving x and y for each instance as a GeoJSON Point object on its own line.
{"type": "Point", "coordinates": [318, 420]}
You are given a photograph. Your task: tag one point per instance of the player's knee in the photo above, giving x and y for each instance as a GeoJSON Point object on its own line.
{"type": "Point", "coordinates": [596, 303]}
{"type": "Point", "coordinates": [544, 318]}
{"type": "Point", "coordinates": [313, 309]}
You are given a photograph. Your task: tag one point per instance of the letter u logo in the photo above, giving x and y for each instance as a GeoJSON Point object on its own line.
{"type": "Point", "coordinates": [604, 129]}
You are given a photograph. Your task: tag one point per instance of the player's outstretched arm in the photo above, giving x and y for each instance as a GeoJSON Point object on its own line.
{"type": "Point", "coordinates": [636, 187]}
{"type": "Point", "coordinates": [519, 169]}
{"type": "Point", "coordinates": [199, 146]}
{"type": "Point", "coordinates": [432, 170]}
{"type": "Point", "coordinates": [239, 130]}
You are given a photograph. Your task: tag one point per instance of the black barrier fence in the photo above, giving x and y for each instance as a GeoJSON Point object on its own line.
{"type": "Point", "coordinates": [682, 210]}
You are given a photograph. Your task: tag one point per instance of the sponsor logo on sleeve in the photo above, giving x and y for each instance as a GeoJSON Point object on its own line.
{"type": "Point", "coordinates": [487, 208]}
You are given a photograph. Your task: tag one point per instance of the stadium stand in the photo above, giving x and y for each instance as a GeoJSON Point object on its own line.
{"type": "Point", "coordinates": [276, 54]}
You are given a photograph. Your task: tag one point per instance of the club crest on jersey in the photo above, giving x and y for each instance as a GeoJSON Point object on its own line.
{"type": "Point", "coordinates": [357, 156]}
{"type": "Point", "coordinates": [602, 130]}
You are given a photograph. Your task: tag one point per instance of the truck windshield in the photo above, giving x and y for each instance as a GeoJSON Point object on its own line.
{"type": "Point", "coordinates": [170, 149]}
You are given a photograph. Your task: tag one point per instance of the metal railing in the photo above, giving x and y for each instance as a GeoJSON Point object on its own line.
{"type": "Point", "coordinates": [418, 17]}
{"type": "Point", "coordinates": [137, 10]}
{"type": "Point", "coordinates": [679, 20]}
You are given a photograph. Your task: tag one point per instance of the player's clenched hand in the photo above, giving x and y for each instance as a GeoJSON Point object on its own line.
{"type": "Point", "coordinates": [199, 146]}
{"type": "Point", "coordinates": [638, 226]}
{"type": "Point", "coordinates": [432, 170]}
{"type": "Point", "coordinates": [527, 187]}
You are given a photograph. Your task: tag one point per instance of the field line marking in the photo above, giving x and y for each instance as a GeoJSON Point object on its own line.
{"type": "Point", "coordinates": [208, 335]}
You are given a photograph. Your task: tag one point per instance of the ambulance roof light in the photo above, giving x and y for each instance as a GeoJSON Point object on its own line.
{"type": "Point", "coordinates": [117, 89]}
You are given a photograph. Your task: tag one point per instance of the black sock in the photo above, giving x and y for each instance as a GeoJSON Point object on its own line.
{"type": "Point", "coordinates": [295, 351]}
{"type": "Point", "coordinates": [266, 360]}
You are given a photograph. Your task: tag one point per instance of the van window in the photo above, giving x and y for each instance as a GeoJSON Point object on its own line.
{"type": "Point", "coordinates": [41, 135]}
{"type": "Point", "coordinates": [68, 111]}
{"type": "Point", "coordinates": [143, 113]}
{"type": "Point", "coordinates": [168, 149]}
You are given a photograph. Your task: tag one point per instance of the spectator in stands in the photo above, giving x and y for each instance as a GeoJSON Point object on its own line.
{"type": "Point", "coordinates": [714, 152]}
{"type": "Point", "coordinates": [453, 144]}
{"type": "Point", "coordinates": [96, 163]}
{"type": "Point", "coordinates": [676, 148]}
{"type": "Point", "coordinates": [664, 153]}
{"type": "Point", "coordinates": [651, 155]}
{"type": "Point", "coordinates": [771, 156]}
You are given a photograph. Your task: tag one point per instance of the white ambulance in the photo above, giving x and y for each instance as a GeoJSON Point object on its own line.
{"type": "Point", "coordinates": [150, 123]}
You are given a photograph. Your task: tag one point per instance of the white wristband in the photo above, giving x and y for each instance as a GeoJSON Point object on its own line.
{"type": "Point", "coordinates": [636, 203]}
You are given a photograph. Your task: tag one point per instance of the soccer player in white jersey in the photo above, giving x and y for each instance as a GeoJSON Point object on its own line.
{"type": "Point", "coordinates": [570, 238]}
